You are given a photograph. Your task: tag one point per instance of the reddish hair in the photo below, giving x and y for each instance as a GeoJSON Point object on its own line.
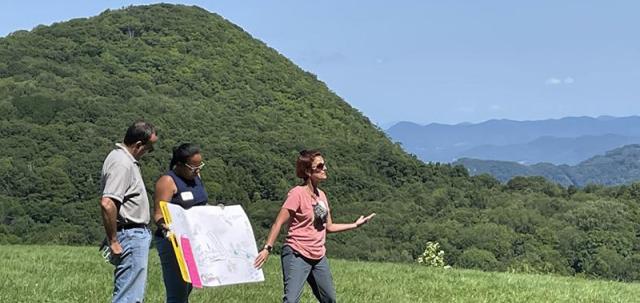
{"type": "Point", "coordinates": [304, 162]}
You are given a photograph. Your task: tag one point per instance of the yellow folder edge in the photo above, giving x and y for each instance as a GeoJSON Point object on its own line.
{"type": "Point", "coordinates": [174, 243]}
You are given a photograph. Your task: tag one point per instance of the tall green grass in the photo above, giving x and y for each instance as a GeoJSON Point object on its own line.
{"type": "Point", "coordinates": [77, 274]}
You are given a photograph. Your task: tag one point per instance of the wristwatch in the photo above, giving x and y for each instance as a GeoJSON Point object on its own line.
{"type": "Point", "coordinates": [268, 247]}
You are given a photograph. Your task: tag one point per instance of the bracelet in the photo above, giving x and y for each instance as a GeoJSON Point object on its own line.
{"type": "Point", "coordinates": [268, 248]}
{"type": "Point", "coordinates": [160, 222]}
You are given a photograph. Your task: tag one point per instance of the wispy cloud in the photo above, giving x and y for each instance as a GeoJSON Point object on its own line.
{"type": "Point", "coordinates": [559, 81]}
{"type": "Point", "coordinates": [495, 107]}
{"type": "Point", "coordinates": [553, 81]}
{"type": "Point", "coordinates": [466, 109]}
{"type": "Point", "coordinates": [382, 59]}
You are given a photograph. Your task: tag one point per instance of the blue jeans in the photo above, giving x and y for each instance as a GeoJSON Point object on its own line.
{"type": "Point", "coordinates": [296, 269]}
{"type": "Point", "coordinates": [130, 274]}
{"type": "Point", "coordinates": [176, 288]}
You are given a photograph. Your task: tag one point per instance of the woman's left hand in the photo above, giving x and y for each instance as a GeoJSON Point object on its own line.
{"type": "Point", "coordinates": [262, 257]}
{"type": "Point", "coordinates": [363, 220]}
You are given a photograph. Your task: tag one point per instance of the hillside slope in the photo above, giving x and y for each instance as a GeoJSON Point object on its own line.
{"type": "Point", "coordinates": [355, 282]}
{"type": "Point", "coordinates": [68, 91]}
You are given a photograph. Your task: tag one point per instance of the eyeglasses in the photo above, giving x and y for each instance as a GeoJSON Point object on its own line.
{"type": "Point", "coordinates": [195, 168]}
{"type": "Point", "coordinates": [149, 148]}
{"type": "Point", "coordinates": [320, 167]}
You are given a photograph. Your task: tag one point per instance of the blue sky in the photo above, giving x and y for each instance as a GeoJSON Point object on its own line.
{"type": "Point", "coordinates": [434, 61]}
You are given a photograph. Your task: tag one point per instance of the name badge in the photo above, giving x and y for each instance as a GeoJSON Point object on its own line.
{"type": "Point", "coordinates": [186, 196]}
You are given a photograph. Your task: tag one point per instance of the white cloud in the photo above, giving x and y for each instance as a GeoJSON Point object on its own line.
{"type": "Point", "coordinates": [553, 81]}
{"type": "Point", "coordinates": [559, 81]}
{"type": "Point", "coordinates": [495, 107]}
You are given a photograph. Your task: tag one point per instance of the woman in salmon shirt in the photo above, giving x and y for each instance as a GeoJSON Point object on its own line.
{"type": "Point", "coordinates": [308, 215]}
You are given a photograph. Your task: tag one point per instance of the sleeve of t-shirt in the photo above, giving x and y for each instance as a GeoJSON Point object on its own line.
{"type": "Point", "coordinates": [293, 200]}
{"type": "Point", "coordinates": [115, 179]}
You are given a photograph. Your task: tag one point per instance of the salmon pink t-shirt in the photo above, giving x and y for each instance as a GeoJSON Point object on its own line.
{"type": "Point", "coordinates": [303, 236]}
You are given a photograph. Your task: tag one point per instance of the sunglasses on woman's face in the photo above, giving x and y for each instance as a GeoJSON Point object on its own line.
{"type": "Point", "coordinates": [320, 167]}
{"type": "Point", "coordinates": [195, 168]}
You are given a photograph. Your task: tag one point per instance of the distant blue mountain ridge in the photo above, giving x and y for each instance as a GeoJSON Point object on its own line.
{"type": "Point", "coordinates": [568, 140]}
{"type": "Point", "coordinates": [615, 167]}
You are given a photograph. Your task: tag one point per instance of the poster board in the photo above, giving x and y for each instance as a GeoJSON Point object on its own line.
{"type": "Point", "coordinates": [214, 245]}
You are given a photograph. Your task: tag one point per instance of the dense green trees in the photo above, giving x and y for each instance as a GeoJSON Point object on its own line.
{"type": "Point", "coordinates": [68, 91]}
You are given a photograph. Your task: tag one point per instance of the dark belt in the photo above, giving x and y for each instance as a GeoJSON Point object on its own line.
{"type": "Point", "coordinates": [131, 225]}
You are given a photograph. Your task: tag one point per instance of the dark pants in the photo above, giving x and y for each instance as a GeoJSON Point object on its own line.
{"type": "Point", "coordinates": [176, 288]}
{"type": "Point", "coordinates": [296, 269]}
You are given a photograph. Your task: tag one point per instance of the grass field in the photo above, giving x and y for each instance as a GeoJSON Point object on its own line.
{"type": "Point", "coordinates": [77, 274]}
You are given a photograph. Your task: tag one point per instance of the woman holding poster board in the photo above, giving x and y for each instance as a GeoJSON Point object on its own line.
{"type": "Point", "coordinates": [308, 216]}
{"type": "Point", "coordinates": [181, 185]}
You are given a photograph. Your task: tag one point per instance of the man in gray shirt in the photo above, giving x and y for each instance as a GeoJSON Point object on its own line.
{"type": "Point", "coordinates": [125, 212]}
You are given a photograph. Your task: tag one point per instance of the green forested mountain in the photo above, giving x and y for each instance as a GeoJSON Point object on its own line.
{"type": "Point", "coordinates": [615, 167]}
{"type": "Point", "coordinates": [68, 91]}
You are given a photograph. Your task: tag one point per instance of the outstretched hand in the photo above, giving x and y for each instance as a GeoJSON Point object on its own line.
{"type": "Point", "coordinates": [363, 219]}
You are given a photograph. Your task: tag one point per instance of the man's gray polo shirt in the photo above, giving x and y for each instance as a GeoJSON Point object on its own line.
{"type": "Point", "coordinates": [122, 182]}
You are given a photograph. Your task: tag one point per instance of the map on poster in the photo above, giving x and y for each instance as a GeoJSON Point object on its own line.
{"type": "Point", "coordinates": [214, 245]}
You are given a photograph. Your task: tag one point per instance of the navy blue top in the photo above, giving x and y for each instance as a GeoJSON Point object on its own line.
{"type": "Point", "coordinates": [190, 192]}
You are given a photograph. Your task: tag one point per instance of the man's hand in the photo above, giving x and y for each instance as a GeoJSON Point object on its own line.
{"type": "Point", "coordinates": [116, 248]}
